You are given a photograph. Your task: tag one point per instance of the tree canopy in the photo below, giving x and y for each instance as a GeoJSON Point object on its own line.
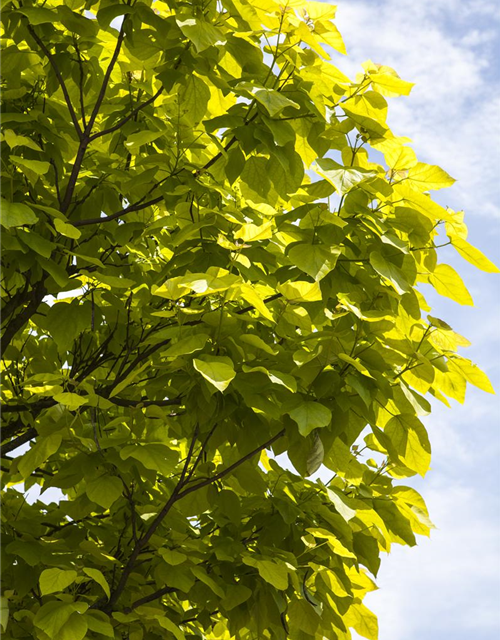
{"type": "Point", "coordinates": [213, 252]}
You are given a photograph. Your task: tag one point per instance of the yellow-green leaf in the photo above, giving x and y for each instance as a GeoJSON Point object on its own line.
{"type": "Point", "coordinates": [363, 621]}
{"type": "Point", "coordinates": [16, 214]}
{"type": "Point", "coordinates": [311, 415]}
{"type": "Point", "coordinates": [98, 577]}
{"type": "Point", "coordinates": [252, 232]}
{"type": "Point", "coordinates": [390, 85]}
{"type": "Point", "coordinates": [300, 291]}
{"type": "Point", "coordinates": [217, 370]}
{"type": "Point", "coordinates": [471, 372]}
{"type": "Point", "coordinates": [474, 256]}
{"type": "Point", "coordinates": [70, 400]}
{"type": "Point", "coordinates": [411, 442]}
{"type": "Point", "coordinates": [55, 580]}
{"type": "Point", "coordinates": [424, 177]}
{"type": "Point", "coordinates": [448, 283]}
{"type": "Point", "coordinates": [105, 490]}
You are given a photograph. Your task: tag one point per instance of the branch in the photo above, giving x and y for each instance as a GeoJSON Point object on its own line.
{"type": "Point", "coordinates": [64, 89]}
{"type": "Point", "coordinates": [37, 295]}
{"type": "Point", "coordinates": [115, 595]}
{"type": "Point", "coordinates": [17, 442]}
{"type": "Point", "coordinates": [133, 113]}
{"type": "Point", "coordinates": [81, 83]}
{"type": "Point", "coordinates": [85, 136]}
{"type": "Point", "coordinates": [150, 598]}
{"type": "Point", "coordinates": [121, 402]}
{"type": "Point", "coordinates": [107, 76]}
{"type": "Point", "coordinates": [231, 468]}
{"type": "Point", "coordinates": [133, 207]}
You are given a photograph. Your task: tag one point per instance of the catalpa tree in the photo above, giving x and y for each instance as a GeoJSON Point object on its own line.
{"type": "Point", "coordinates": [205, 268]}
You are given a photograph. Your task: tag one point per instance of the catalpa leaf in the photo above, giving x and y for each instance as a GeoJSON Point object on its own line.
{"type": "Point", "coordinates": [218, 371]}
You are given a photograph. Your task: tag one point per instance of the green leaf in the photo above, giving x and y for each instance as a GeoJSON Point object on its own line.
{"type": "Point", "coordinates": [201, 33]}
{"type": "Point", "coordinates": [43, 449]}
{"type": "Point", "coordinates": [302, 615]}
{"type": "Point", "coordinates": [167, 624]}
{"type": "Point", "coordinates": [273, 101]}
{"type": "Point", "coordinates": [273, 573]}
{"type": "Point", "coordinates": [15, 214]}
{"type": "Point", "coordinates": [314, 259]}
{"type": "Point", "coordinates": [340, 503]}
{"type": "Point", "coordinates": [426, 176]}
{"type": "Point", "coordinates": [38, 15]}
{"type": "Point", "coordinates": [99, 622]}
{"type": "Point", "coordinates": [300, 291]}
{"type": "Point", "coordinates": [258, 343]}
{"type": "Point", "coordinates": [104, 491]}
{"type": "Point", "coordinates": [157, 457]}
{"type": "Point", "coordinates": [75, 628]}
{"type": "Point", "coordinates": [4, 613]}
{"type": "Point", "coordinates": [218, 371]}
{"type": "Point", "coordinates": [472, 373]}
{"type": "Point", "coordinates": [448, 283]}
{"type": "Point", "coordinates": [236, 595]}
{"type": "Point", "coordinates": [316, 455]}
{"type": "Point", "coordinates": [210, 582]}
{"type": "Point", "coordinates": [411, 442]}
{"type": "Point", "coordinates": [97, 575]}
{"type": "Point", "coordinates": [344, 179]}
{"type": "Point", "coordinates": [311, 415]}
{"type": "Point", "coordinates": [67, 229]}
{"type": "Point", "coordinates": [390, 85]}
{"type": "Point", "coordinates": [37, 243]}
{"type": "Point", "coordinates": [187, 345]}
{"type": "Point", "coordinates": [136, 140]}
{"type": "Point", "coordinates": [52, 616]}
{"type": "Point", "coordinates": [173, 557]}
{"type": "Point", "coordinates": [390, 272]}
{"type": "Point", "coordinates": [39, 167]}
{"type": "Point", "coordinates": [363, 621]}
{"type": "Point", "coordinates": [56, 580]}
{"type": "Point", "coordinates": [356, 364]}
{"type": "Point", "coordinates": [70, 400]}
{"type": "Point", "coordinates": [253, 232]}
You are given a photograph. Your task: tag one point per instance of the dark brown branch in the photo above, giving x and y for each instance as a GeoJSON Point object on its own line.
{"type": "Point", "coordinates": [64, 89]}
{"type": "Point", "coordinates": [37, 295]}
{"type": "Point", "coordinates": [275, 296]}
{"type": "Point", "coordinates": [133, 207]}
{"type": "Point", "coordinates": [150, 598]}
{"type": "Point", "coordinates": [107, 76]}
{"type": "Point", "coordinates": [121, 402]}
{"type": "Point", "coordinates": [21, 297]}
{"type": "Point", "coordinates": [17, 442]}
{"type": "Point", "coordinates": [123, 121]}
{"type": "Point", "coordinates": [81, 83]}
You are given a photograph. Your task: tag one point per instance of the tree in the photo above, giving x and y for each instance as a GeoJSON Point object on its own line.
{"type": "Point", "coordinates": [203, 269]}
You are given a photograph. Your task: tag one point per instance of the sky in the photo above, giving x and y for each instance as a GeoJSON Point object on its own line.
{"type": "Point", "coordinates": [448, 586]}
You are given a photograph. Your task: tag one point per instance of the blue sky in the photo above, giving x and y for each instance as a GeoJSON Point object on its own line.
{"type": "Point", "coordinates": [449, 586]}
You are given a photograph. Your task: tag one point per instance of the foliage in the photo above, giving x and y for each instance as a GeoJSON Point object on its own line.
{"type": "Point", "coordinates": [202, 269]}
